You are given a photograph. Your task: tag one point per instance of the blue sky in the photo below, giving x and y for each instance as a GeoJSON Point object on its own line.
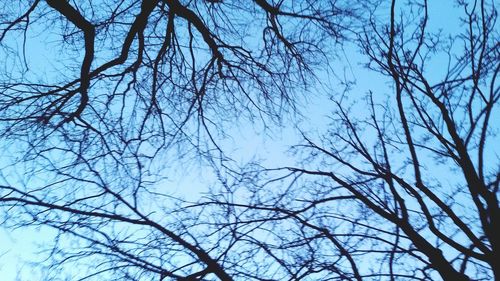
{"type": "Point", "coordinates": [246, 142]}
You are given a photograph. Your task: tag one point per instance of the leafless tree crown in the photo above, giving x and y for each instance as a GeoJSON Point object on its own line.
{"type": "Point", "coordinates": [99, 99]}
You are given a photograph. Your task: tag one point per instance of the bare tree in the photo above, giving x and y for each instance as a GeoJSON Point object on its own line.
{"type": "Point", "coordinates": [404, 186]}
{"type": "Point", "coordinates": [99, 98]}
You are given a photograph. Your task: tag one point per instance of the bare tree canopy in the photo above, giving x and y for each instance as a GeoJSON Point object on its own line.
{"type": "Point", "coordinates": [97, 94]}
{"type": "Point", "coordinates": [100, 99]}
{"type": "Point", "coordinates": [404, 185]}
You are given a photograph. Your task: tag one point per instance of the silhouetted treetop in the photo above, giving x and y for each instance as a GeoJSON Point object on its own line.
{"type": "Point", "coordinates": [169, 58]}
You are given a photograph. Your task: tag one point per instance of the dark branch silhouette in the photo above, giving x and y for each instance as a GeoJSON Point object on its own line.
{"type": "Point", "coordinates": [102, 101]}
